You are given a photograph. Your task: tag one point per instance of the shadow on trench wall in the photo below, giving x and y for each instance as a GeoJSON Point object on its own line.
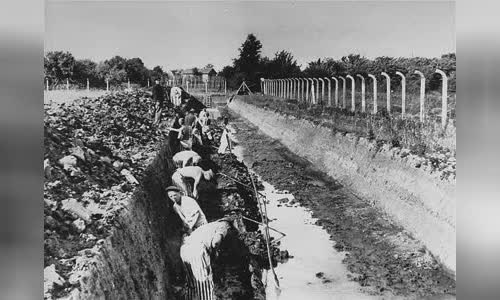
{"type": "Point", "coordinates": [141, 258]}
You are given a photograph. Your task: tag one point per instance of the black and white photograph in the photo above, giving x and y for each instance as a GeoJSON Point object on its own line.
{"type": "Point", "coordinates": [233, 150]}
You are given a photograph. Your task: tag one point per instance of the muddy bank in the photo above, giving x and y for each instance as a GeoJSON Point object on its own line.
{"type": "Point", "coordinates": [392, 179]}
{"type": "Point", "coordinates": [383, 258]}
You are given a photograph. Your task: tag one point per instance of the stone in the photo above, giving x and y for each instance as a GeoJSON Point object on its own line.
{"type": "Point", "coordinates": [79, 225]}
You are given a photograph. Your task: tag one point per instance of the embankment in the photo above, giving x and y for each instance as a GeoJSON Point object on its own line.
{"type": "Point", "coordinates": [416, 196]}
{"type": "Point", "coordinates": [141, 259]}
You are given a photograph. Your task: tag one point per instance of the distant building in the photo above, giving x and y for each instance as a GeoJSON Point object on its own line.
{"type": "Point", "coordinates": [207, 74]}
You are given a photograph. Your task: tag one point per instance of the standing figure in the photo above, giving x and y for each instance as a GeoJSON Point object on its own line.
{"type": "Point", "coordinates": [159, 98]}
{"type": "Point", "coordinates": [175, 96]}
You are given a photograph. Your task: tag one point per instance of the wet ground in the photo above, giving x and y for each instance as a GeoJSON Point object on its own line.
{"type": "Point", "coordinates": [352, 251]}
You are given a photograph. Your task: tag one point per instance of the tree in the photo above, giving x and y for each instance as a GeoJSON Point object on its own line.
{"type": "Point", "coordinates": [248, 62]}
{"type": "Point", "coordinates": [113, 70]}
{"type": "Point", "coordinates": [86, 69]}
{"type": "Point", "coordinates": [136, 71]}
{"type": "Point", "coordinates": [282, 65]}
{"type": "Point", "coordinates": [58, 65]}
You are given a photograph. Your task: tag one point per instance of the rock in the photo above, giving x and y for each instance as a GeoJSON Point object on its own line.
{"type": "Point", "coordinates": [47, 168]}
{"type": "Point", "coordinates": [128, 175]}
{"type": "Point", "coordinates": [77, 209]}
{"type": "Point", "coordinates": [68, 162]}
{"type": "Point", "coordinates": [79, 225]}
{"type": "Point", "coordinates": [137, 156]}
{"type": "Point", "coordinates": [51, 278]}
{"type": "Point", "coordinates": [105, 159]}
{"type": "Point", "coordinates": [118, 165]}
{"type": "Point", "coordinates": [78, 152]}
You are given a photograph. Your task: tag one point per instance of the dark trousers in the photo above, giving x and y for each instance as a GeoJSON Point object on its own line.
{"type": "Point", "coordinates": [158, 109]}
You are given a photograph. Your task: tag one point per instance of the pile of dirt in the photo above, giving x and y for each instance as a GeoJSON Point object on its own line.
{"type": "Point", "coordinates": [95, 152]}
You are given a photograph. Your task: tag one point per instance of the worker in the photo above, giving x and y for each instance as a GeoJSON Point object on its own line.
{"type": "Point", "coordinates": [186, 136]}
{"type": "Point", "coordinates": [175, 95]}
{"type": "Point", "coordinates": [190, 118]}
{"type": "Point", "coordinates": [187, 209]}
{"type": "Point", "coordinates": [159, 98]}
{"type": "Point", "coordinates": [193, 172]}
{"type": "Point", "coordinates": [203, 118]}
{"type": "Point", "coordinates": [196, 253]}
{"type": "Point", "coordinates": [186, 158]}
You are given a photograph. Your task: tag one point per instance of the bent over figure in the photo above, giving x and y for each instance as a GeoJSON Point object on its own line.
{"type": "Point", "coordinates": [186, 158]}
{"type": "Point", "coordinates": [194, 172]}
{"type": "Point", "coordinates": [196, 254]}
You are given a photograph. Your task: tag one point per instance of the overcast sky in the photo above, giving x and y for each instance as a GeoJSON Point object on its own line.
{"type": "Point", "coordinates": [192, 34]}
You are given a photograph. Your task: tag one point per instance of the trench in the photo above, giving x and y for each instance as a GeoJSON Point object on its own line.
{"type": "Point", "coordinates": [341, 246]}
{"type": "Point", "coordinates": [141, 257]}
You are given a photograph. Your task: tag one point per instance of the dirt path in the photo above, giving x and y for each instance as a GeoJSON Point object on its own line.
{"type": "Point", "coordinates": [381, 257]}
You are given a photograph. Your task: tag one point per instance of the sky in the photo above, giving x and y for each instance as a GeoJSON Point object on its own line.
{"type": "Point", "coordinates": [175, 34]}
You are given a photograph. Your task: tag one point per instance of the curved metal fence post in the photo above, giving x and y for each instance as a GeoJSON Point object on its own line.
{"type": "Point", "coordinates": [422, 95]}
{"type": "Point", "coordinates": [388, 91]}
{"type": "Point", "coordinates": [444, 98]}
{"type": "Point", "coordinates": [353, 92]}
{"type": "Point", "coordinates": [336, 92]}
{"type": "Point", "coordinates": [329, 91]}
{"type": "Point", "coordinates": [344, 104]}
{"type": "Point", "coordinates": [374, 92]}
{"type": "Point", "coordinates": [403, 93]}
{"type": "Point", "coordinates": [316, 88]}
{"type": "Point", "coordinates": [363, 102]}
{"type": "Point", "coordinates": [307, 90]}
{"type": "Point", "coordinates": [322, 91]}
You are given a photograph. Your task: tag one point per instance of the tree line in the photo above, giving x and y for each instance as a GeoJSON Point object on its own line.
{"type": "Point", "coordinates": [60, 66]}
{"type": "Point", "coordinates": [250, 66]}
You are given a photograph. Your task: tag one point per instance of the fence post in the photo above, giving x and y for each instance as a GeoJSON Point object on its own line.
{"type": "Point", "coordinates": [388, 90]}
{"type": "Point", "coordinates": [128, 83]}
{"type": "Point", "coordinates": [374, 92]}
{"type": "Point", "coordinates": [322, 90]}
{"type": "Point", "coordinates": [316, 87]}
{"type": "Point", "coordinates": [363, 102]}
{"type": "Point", "coordinates": [353, 92]}
{"type": "Point", "coordinates": [306, 98]}
{"type": "Point", "coordinates": [301, 89]}
{"type": "Point", "coordinates": [403, 93]}
{"type": "Point", "coordinates": [47, 84]}
{"type": "Point", "coordinates": [329, 91]}
{"type": "Point", "coordinates": [225, 88]}
{"type": "Point", "coordinates": [344, 105]}
{"type": "Point", "coordinates": [67, 84]}
{"type": "Point", "coordinates": [336, 92]}
{"type": "Point", "coordinates": [444, 98]}
{"type": "Point", "coordinates": [88, 85]}
{"type": "Point", "coordinates": [313, 98]}
{"type": "Point", "coordinates": [148, 82]}
{"type": "Point", "coordinates": [422, 94]}
{"type": "Point", "coordinates": [107, 85]}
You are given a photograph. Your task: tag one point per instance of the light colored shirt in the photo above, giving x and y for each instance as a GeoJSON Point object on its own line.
{"type": "Point", "coordinates": [190, 213]}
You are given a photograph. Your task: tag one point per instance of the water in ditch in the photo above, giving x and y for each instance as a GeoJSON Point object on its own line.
{"type": "Point", "coordinates": [316, 270]}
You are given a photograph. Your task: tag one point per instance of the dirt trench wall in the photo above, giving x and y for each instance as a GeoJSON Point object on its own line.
{"type": "Point", "coordinates": [412, 196]}
{"type": "Point", "coordinates": [140, 259]}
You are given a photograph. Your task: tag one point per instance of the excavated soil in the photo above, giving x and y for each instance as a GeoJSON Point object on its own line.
{"type": "Point", "coordinates": [385, 258]}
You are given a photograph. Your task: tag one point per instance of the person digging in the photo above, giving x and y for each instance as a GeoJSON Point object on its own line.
{"type": "Point", "coordinates": [193, 172]}
{"type": "Point", "coordinates": [187, 209]}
